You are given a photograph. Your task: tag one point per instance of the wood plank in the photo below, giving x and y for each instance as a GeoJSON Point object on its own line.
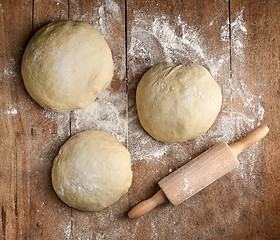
{"type": "Point", "coordinates": [107, 113]}
{"type": "Point", "coordinates": [47, 11]}
{"type": "Point", "coordinates": [49, 216]}
{"type": "Point", "coordinates": [254, 74]}
{"type": "Point", "coordinates": [15, 28]}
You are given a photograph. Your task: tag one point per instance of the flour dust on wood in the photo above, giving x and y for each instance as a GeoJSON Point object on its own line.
{"type": "Point", "coordinates": [60, 118]}
{"type": "Point", "coordinates": [11, 111]}
{"type": "Point", "coordinates": [107, 113]}
{"type": "Point", "coordinates": [10, 70]}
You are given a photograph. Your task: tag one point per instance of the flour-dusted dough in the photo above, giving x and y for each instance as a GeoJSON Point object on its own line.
{"type": "Point", "coordinates": [91, 171]}
{"type": "Point", "coordinates": [177, 103]}
{"type": "Point", "coordinates": [66, 65]}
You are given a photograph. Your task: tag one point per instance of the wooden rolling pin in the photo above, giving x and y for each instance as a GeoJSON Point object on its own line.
{"type": "Point", "coordinates": [198, 173]}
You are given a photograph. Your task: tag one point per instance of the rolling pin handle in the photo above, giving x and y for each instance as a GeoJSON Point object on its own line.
{"type": "Point", "coordinates": [146, 206]}
{"type": "Point", "coordinates": [254, 136]}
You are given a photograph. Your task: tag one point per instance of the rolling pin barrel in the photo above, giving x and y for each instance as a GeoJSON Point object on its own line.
{"type": "Point", "coordinates": [198, 173]}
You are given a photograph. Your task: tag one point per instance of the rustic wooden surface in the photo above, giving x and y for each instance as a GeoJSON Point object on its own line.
{"type": "Point", "coordinates": [245, 204]}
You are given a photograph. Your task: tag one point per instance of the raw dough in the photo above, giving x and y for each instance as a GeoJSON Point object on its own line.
{"type": "Point", "coordinates": [91, 171]}
{"type": "Point", "coordinates": [66, 65]}
{"type": "Point", "coordinates": [177, 103]}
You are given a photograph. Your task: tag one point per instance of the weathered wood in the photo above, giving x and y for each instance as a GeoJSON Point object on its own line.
{"type": "Point", "coordinates": [15, 28]}
{"type": "Point", "coordinates": [259, 190]}
{"type": "Point", "coordinates": [30, 135]}
{"type": "Point", "coordinates": [237, 41]}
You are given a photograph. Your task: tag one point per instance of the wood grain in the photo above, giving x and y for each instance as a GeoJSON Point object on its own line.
{"type": "Point", "coordinates": [15, 28]}
{"type": "Point", "coordinates": [260, 198]}
{"type": "Point", "coordinates": [49, 218]}
{"type": "Point", "coordinates": [236, 40]}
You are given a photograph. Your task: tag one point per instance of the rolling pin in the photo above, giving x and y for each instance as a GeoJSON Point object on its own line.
{"type": "Point", "coordinates": [198, 173]}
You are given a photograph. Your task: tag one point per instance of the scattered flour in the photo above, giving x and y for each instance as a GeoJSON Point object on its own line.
{"type": "Point", "coordinates": [100, 236]}
{"type": "Point", "coordinates": [11, 111]}
{"type": "Point", "coordinates": [107, 113]}
{"type": "Point", "coordinates": [60, 118]}
{"type": "Point", "coordinates": [225, 33]}
{"type": "Point", "coordinates": [10, 70]}
{"type": "Point", "coordinates": [58, 2]}
{"type": "Point", "coordinates": [154, 228]}
{"type": "Point", "coordinates": [113, 8]}
{"type": "Point", "coordinates": [140, 144]}
{"type": "Point", "coordinates": [187, 186]}
{"type": "Point", "coordinates": [68, 231]}
{"type": "Point", "coordinates": [239, 33]}
{"type": "Point", "coordinates": [149, 42]}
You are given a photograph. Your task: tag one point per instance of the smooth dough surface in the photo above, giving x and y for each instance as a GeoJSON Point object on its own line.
{"type": "Point", "coordinates": [92, 171]}
{"type": "Point", "coordinates": [66, 65]}
{"type": "Point", "coordinates": [177, 103]}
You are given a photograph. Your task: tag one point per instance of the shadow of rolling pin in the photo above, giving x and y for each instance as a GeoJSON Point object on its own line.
{"type": "Point", "coordinates": [198, 173]}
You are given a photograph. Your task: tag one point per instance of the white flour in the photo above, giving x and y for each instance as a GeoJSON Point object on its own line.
{"type": "Point", "coordinates": [60, 118]}
{"type": "Point", "coordinates": [239, 33]}
{"type": "Point", "coordinates": [150, 43]}
{"type": "Point", "coordinates": [187, 186]}
{"type": "Point", "coordinates": [11, 111]}
{"type": "Point", "coordinates": [106, 114]}
{"type": "Point", "coordinates": [68, 231]}
{"type": "Point", "coordinates": [10, 70]}
{"type": "Point", "coordinates": [225, 32]}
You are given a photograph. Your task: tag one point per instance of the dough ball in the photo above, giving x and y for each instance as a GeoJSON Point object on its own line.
{"type": "Point", "coordinates": [91, 171]}
{"type": "Point", "coordinates": [66, 65]}
{"type": "Point", "coordinates": [177, 103]}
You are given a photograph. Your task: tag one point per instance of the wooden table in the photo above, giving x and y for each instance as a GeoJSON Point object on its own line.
{"type": "Point", "coordinates": [238, 41]}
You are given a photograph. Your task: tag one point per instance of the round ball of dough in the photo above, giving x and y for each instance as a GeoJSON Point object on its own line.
{"type": "Point", "coordinates": [177, 103]}
{"type": "Point", "coordinates": [66, 65]}
{"type": "Point", "coordinates": [91, 171]}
